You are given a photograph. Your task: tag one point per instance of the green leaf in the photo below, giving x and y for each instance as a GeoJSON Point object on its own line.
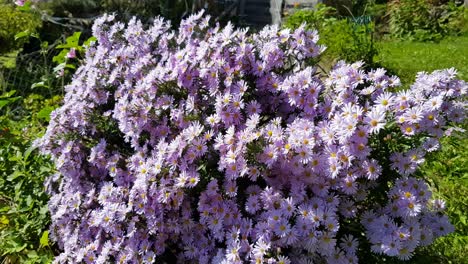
{"type": "Point", "coordinates": [23, 34]}
{"type": "Point", "coordinates": [202, 167]}
{"type": "Point", "coordinates": [32, 254]}
{"type": "Point", "coordinates": [71, 42]}
{"type": "Point", "coordinates": [29, 201]}
{"type": "Point", "coordinates": [4, 220]}
{"type": "Point", "coordinates": [26, 7]}
{"type": "Point", "coordinates": [60, 58]}
{"type": "Point", "coordinates": [73, 39]}
{"type": "Point", "coordinates": [28, 152]}
{"type": "Point", "coordinates": [14, 245]}
{"type": "Point", "coordinates": [18, 186]}
{"type": "Point", "coordinates": [15, 175]}
{"type": "Point", "coordinates": [88, 41]}
{"type": "Point", "coordinates": [4, 208]}
{"type": "Point", "coordinates": [44, 210]}
{"type": "Point", "coordinates": [70, 66]}
{"type": "Point", "coordinates": [44, 45]}
{"type": "Point", "coordinates": [8, 94]}
{"type": "Point", "coordinates": [463, 220]}
{"type": "Point", "coordinates": [4, 103]}
{"type": "Point", "coordinates": [6, 98]}
{"type": "Point", "coordinates": [44, 241]}
{"type": "Point", "coordinates": [45, 113]}
{"type": "Point", "coordinates": [38, 85]}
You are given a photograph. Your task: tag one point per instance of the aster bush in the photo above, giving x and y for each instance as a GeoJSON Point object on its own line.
{"type": "Point", "coordinates": [213, 145]}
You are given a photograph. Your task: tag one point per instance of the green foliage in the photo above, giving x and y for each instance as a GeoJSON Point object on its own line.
{"type": "Point", "coordinates": [456, 19]}
{"type": "Point", "coordinates": [6, 99]}
{"type": "Point", "coordinates": [412, 19]}
{"type": "Point", "coordinates": [379, 14]}
{"type": "Point", "coordinates": [49, 69]}
{"type": "Point", "coordinates": [24, 216]}
{"type": "Point", "coordinates": [13, 21]}
{"type": "Point", "coordinates": [422, 20]}
{"type": "Point", "coordinates": [350, 39]}
{"type": "Point", "coordinates": [447, 171]}
{"type": "Point", "coordinates": [318, 18]}
{"type": "Point", "coordinates": [71, 43]}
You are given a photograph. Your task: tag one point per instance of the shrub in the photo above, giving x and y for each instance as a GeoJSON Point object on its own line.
{"type": "Point", "coordinates": [24, 215]}
{"type": "Point", "coordinates": [215, 145]}
{"type": "Point", "coordinates": [346, 39]}
{"type": "Point", "coordinates": [454, 19]}
{"type": "Point", "coordinates": [12, 22]}
{"type": "Point", "coordinates": [378, 12]}
{"type": "Point", "coordinates": [423, 20]}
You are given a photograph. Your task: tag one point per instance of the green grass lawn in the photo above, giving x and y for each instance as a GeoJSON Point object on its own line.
{"type": "Point", "coordinates": [405, 59]}
{"type": "Point", "coordinates": [447, 170]}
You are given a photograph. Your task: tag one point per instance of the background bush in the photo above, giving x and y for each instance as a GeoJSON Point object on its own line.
{"type": "Point", "coordinates": [425, 20]}
{"type": "Point", "coordinates": [13, 21]}
{"type": "Point", "coordinates": [346, 38]}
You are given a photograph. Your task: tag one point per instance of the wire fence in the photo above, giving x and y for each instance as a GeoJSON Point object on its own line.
{"type": "Point", "coordinates": [29, 69]}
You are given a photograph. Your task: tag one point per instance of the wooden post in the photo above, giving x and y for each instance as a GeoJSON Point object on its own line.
{"type": "Point", "coordinates": [275, 11]}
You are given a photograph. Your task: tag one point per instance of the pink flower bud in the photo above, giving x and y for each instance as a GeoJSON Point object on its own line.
{"type": "Point", "coordinates": [20, 2]}
{"type": "Point", "coordinates": [71, 54]}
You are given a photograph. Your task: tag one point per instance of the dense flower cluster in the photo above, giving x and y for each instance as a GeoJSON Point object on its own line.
{"type": "Point", "coordinates": [409, 199]}
{"type": "Point", "coordinates": [211, 145]}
